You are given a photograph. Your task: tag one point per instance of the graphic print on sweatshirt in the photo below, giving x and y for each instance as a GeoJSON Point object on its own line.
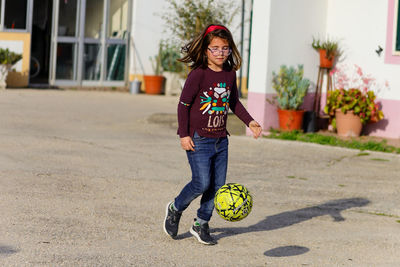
{"type": "Point", "coordinates": [216, 99]}
{"type": "Point", "coordinates": [215, 104]}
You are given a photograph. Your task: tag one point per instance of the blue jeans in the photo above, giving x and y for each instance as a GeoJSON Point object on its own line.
{"type": "Point", "coordinates": [209, 163]}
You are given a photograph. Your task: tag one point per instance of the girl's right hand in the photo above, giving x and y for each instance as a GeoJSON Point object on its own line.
{"type": "Point", "coordinates": [255, 128]}
{"type": "Point", "coordinates": [187, 143]}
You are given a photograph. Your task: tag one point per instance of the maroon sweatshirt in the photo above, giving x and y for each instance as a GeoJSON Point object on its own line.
{"type": "Point", "coordinates": [205, 101]}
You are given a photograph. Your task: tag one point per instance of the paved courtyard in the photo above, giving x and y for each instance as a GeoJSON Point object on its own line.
{"type": "Point", "coordinates": [85, 176]}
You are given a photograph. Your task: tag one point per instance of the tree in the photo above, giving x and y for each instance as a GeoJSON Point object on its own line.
{"type": "Point", "coordinates": [187, 18]}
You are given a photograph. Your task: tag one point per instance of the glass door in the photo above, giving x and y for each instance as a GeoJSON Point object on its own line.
{"type": "Point", "coordinates": [89, 44]}
{"type": "Point", "coordinates": [93, 52]}
{"type": "Point", "coordinates": [117, 40]}
{"type": "Point", "coordinates": [65, 42]}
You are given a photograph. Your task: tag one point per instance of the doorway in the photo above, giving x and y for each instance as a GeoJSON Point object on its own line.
{"type": "Point", "coordinates": [89, 43]}
{"type": "Point", "coordinates": [40, 43]}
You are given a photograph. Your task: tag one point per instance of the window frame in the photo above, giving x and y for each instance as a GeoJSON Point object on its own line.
{"type": "Point", "coordinates": [29, 14]}
{"type": "Point", "coordinates": [396, 30]}
{"type": "Point", "coordinates": [391, 55]}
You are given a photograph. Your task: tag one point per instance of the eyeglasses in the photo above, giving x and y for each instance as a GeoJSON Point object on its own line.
{"type": "Point", "coordinates": [226, 51]}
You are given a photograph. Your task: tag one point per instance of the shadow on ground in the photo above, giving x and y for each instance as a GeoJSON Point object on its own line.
{"type": "Point", "coordinates": [7, 250]}
{"type": "Point", "coordinates": [286, 251]}
{"type": "Point", "coordinates": [286, 219]}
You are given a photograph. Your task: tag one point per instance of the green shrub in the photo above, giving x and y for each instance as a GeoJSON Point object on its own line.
{"type": "Point", "coordinates": [290, 86]}
{"type": "Point", "coordinates": [9, 58]}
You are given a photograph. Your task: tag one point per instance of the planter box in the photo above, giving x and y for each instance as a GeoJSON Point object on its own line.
{"type": "Point", "coordinates": [3, 76]}
{"type": "Point", "coordinates": [172, 83]}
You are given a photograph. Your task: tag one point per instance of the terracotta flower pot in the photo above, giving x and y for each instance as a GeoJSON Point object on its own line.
{"type": "Point", "coordinates": [348, 125]}
{"type": "Point", "coordinates": [290, 120]}
{"type": "Point", "coordinates": [324, 61]}
{"type": "Point", "coordinates": [153, 84]}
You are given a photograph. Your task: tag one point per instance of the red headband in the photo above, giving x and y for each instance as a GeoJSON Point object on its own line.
{"type": "Point", "coordinates": [213, 28]}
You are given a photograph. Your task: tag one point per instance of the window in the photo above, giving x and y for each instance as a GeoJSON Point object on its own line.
{"type": "Point", "coordinates": [94, 18]}
{"type": "Point", "coordinates": [118, 19]}
{"type": "Point", "coordinates": [396, 30]}
{"type": "Point", "coordinates": [392, 47]}
{"type": "Point", "coordinates": [15, 15]}
{"type": "Point", "coordinates": [67, 22]}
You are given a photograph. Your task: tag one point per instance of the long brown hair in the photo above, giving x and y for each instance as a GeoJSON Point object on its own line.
{"type": "Point", "coordinates": [195, 51]}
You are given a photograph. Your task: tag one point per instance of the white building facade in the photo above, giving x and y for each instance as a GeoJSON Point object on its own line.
{"type": "Point", "coordinates": [283, 32]}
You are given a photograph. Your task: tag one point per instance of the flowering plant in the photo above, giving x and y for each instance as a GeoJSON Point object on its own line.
{"type": "Point", "coordinates": [356, 92]}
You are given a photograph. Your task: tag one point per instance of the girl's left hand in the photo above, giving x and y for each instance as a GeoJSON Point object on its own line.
{"type": "Point", "coordinates": [255, 128]}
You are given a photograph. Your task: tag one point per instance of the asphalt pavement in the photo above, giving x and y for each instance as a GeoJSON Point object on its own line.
{"type": "Point", "coordinates": [85, 177]}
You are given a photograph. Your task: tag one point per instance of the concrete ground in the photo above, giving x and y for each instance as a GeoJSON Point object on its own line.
{"type": "Point", "coordinates": [85, 177]}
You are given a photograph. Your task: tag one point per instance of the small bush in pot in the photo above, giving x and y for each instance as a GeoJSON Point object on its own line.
{"type": "Point", "coordinates": [154, 84]}
{"type": "Point", "coordinates": [169, 56]}
{"type": "Point", "coordinates": [328, 50]}
{"type": "Point", "coordinates": [9, 58]}
{"type": "Point", "coordinates": [291, 88]}
{"type": "Point", "coordinates": [173, 70]}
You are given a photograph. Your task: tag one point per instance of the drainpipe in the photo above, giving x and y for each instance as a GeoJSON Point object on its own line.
{"type": "Point", "coordinates": [249, 50]}
{"type": "Point", "coordinates": [241, 49]}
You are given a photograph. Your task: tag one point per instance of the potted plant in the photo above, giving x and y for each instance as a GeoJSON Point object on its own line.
{"type": "Point", "coordinates": [291, 88]}
{"type": "Point", "coordinates": [154, 83]}
{"type": "Point", "coordinates": [172, 68]}
{"type": "Point", "coordinates": [7, 59]}
{"type": "Point", "coordinates": [328, 51]}
{"type": "Point", "coordinates": [353, 103]}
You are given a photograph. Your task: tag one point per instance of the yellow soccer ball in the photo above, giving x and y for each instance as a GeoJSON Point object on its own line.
{"type": "Point", "coordinates": [233, 202]}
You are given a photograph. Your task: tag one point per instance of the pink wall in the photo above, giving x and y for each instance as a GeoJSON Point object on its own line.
{"type": "Point", "coordinates": [262, 111]}
{"type": "Point", "coordinates": [390, 126]}
{"type": "Point", "coordinates": [266, 114]}
{"type": "Point", "coordinates": [389, 58]}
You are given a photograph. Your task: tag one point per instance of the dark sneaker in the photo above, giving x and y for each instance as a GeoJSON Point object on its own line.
{"type": "Point", "coordinates": [171, 221]}
{"type": "Point", "coordinates": [202, 233]}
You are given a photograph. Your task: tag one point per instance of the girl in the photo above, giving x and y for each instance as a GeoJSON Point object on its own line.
{"type": "Point", "coordinates": [210, 90]}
